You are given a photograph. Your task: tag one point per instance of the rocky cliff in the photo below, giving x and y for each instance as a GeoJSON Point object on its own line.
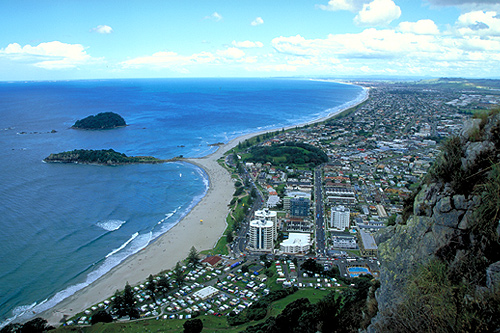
{"type": "Point", "coordinates": [440, 264]}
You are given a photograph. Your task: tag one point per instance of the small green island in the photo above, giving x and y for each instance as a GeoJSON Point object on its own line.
{"type": "Point", "coordinates": [102, 157]}
{"type": "Point", "coordinates": [103, 120]}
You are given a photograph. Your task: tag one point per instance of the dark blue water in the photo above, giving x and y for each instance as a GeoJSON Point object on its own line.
{"type": "Point", "coordinates": [62, 225]}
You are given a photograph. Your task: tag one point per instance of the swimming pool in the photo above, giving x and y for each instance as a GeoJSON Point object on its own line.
{"type": "Point", "coordinates": [357, 271]}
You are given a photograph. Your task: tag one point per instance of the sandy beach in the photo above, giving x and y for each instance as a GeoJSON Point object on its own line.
{"type": "Point", "coordinates": [169, 248]}
{"type": "Point", "coordinates": [174, 245]}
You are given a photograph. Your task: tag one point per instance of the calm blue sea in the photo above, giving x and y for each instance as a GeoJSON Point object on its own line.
{"type": "Point", "coordinates": [63, 226]}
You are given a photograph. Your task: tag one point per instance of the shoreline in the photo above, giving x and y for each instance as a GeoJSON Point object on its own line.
{"type": "Point", "coordinates": [154, 258]}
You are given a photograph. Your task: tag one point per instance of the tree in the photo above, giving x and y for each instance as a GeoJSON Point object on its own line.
{"type": "Point", "coordinates": [124, 304]}
{"type": "Point", "coordinates": [179, 275]}
{"type": "Point", "coordinates": [193, 256]}
{"type": "Point", "coordinates": [193, 326]}
{"type": "Point", "coordinates": [151, 286]}
{"type": "Point", "coordinates": [312, 266]}
{"type": "Point", "coordinates": [289, 320]}
{"type": "Point", "coordinates": [36, 325]}
{"type": "Point", "coordinates": [101, 316]}
{"type": "Point", "coordinates": [11, 328]}
{"type": "Point", "coordinates": [229, 237]}
{"type": "Point", "coordinates": [163, 285]}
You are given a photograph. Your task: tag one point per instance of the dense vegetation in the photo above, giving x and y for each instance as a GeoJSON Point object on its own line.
{"type": "Point", "coordinates": [108, 157]}
{"type": "Point", "coordinates": [34, 325]}
{"type": "Point", "coordinates": [436, 302]}
{"type": "Point", "coordinates": [103, 120]}
{"type": "Point", "coordinates": [289, 153]}
{"type": "Point", "coordinates": [347, 312]}
{"type": "Point", "coordinates": [258, 310]}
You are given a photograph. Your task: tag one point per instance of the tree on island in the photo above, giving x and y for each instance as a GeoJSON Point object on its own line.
{"type": "Point", "coordinates": [193, 256]}
{"type": "Point", "coordinates": [104, 120]}
{"type": "Point", "coordinates": [103, 156]}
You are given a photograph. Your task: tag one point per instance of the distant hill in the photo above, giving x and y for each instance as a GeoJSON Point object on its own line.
{"type": "Point", "coordinates": [104, 157]}
{"type": "Point", "coordinates": [490, 85]}
{"type": "Point", "coordinates": [104, 120]}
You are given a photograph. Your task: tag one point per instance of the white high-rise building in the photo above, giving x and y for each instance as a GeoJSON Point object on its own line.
{"type": "Point", "coordinates": [266, 214]}
{"type": "Point", "coordinates": [340, 217]}
{"type": "Point", "coordinates": [261, 235]}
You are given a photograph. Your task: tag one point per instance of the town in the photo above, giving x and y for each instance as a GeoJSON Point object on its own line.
{"type": "Point", "coordinates": [308, 226]}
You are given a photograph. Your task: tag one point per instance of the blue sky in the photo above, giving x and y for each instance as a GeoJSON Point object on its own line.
{"type": "Point", "coordinates": [73, 39]}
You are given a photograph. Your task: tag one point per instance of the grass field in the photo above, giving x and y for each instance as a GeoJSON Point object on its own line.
{"type": "Point", "coordinates": [210, 323]}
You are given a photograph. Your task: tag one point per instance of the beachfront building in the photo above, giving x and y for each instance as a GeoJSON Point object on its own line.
{"type": "Point", "coordinates": [340, 217]}
{"type": "Point", "coordinates": [296, 243]}
{"type": "Point", "coordinates": [261, 235]}
{"type": "Point", "coordinates": [266, 214]}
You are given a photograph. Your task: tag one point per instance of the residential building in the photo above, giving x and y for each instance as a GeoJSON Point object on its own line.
{"type": "Point", "coordinates": [340, 217]}
{"type": "Point", "coordinates": [344, 242]}
{"type": "Point", "coordinates": [266, 214]}
{"type": "Point", "coordinates": [261, 235]}
{"type": "Point", "coordinates": [297, 225]}
{"type": "Point", "coordinates": [299, 207]}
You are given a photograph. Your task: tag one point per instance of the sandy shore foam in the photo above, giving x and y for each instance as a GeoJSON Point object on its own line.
{"type": "Point", "coordinates": [175, 244]}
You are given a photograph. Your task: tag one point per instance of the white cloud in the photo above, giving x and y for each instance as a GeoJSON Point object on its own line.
{"type": "Point", "coordinates": [214, 16]}
{"type": "Point", "coordinates": [471, 48]}
{"type": "Point", "coordinates": [231, 53]}
{"type": "Point", "coordinates": [277, 68]}
{"type": "Point", "coordinates": [350, 5]}
{"type": "Point", "coordinates": [378, 12]}
{"type": "Point", "coordinates": [257, 21]}
{"type": "Point", "coordinates": [295, 45]}
{"type": "Point", "coordinates": [168, 59]}
{"type": "Point", "coordinates": [103, 29]}
{"type": "Point", "coordinates": [380, 47]}
{"type": "Point", "coordinates": [479, 23]}
{"type": "Point", "coordinates": [421, 27]}
{"type": "Point", "coordinates": [180, 63]}
{"type": "Point", "coordinates": [247, 44]}
{"type": "Point", "coordinates": [50, 55]}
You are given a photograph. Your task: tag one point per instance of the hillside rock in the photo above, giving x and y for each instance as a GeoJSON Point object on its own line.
{"type": "Point", "coordinates": [444, 227]}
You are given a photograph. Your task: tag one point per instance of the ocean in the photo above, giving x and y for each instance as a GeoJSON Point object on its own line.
{"type": "Point", "coordinates": [62, 226]}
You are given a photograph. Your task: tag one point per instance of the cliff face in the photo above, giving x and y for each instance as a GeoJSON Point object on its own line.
{"type": "Point", "coordinates": [440, 269]}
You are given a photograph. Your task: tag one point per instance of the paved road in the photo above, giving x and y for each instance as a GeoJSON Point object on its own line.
{"type": "Point", "coordinates": [241, 240]}
{"type": "Point", "coordinates": [319, 213]}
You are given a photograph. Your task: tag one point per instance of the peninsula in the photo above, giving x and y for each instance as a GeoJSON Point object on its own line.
{"type": "Point", "coordinates": [103, 120]}
{"type": "Point", "coordinates": [103, 157]}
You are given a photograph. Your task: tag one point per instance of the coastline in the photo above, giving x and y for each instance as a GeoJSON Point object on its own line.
{"type": "Point", "coordinates": [174, 245]}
